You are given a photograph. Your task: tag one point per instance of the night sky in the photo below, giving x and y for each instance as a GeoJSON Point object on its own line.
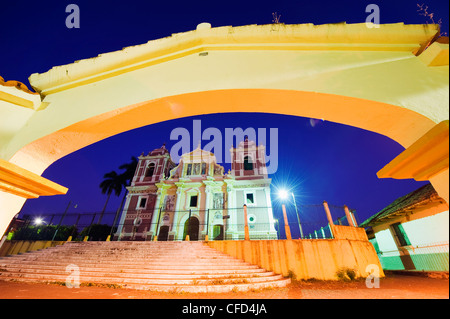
{"type": "Point", "coordinates": [318, 160]}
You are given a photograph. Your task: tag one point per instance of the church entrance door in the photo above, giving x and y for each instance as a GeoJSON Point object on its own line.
{"type": "Point", "coordinates": [163, 233]}
{"type": "Point", "coordinates": [191, 228]}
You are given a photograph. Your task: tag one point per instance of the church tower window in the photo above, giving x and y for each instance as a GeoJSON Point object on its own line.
{"type": "Point", "coordinates": [150, 170]}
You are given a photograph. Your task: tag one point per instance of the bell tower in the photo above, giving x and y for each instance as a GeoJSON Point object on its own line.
{"type": "Point", "coordinates": [248, 160]}
{"type": "Point", "coordinates": [140, 203]}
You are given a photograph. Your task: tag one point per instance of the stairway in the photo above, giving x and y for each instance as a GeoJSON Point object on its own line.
{"type": "Point", "coordinates": [159, 266]}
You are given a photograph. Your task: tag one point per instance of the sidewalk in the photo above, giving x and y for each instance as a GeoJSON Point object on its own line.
{"type": "Point", "coordinates": [391, 287]}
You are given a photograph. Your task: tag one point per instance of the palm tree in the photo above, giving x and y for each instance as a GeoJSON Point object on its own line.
{"type": "Point", "coordinates": [127, 176]}
{"type": "Point", "coordinates": [130, 169]}
{"type": "Point", "coordinates": [112, 182]}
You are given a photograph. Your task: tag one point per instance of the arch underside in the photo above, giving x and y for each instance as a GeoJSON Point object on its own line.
{"type": "Point", "coordinates": [398, 123]}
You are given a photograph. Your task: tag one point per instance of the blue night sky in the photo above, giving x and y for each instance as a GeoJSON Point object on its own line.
{"type": "Point", "coordinates": [318, 160]}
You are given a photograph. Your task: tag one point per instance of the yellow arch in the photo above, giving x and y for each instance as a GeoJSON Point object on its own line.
{"type": "Point", "coordinates": [397, 123]}
{"type": "Point", "coordinates": [377, 79]}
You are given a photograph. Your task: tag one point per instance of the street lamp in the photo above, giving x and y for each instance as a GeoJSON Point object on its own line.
{"type": "Point", "coordinates": [39, 221]}
{"type": "Point", "coordinates": [284, 194]}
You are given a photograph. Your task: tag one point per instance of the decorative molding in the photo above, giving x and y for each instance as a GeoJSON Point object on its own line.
{"type": "Point", "coordinates": [428, 156]}
{"type": "Point", "coordinates": [23, 183]}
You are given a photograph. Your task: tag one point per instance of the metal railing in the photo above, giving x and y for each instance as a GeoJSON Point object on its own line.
{"type": "Point", "coordinates": [211, 224]}
{"type": "Point", "coordinates": [426, 257]}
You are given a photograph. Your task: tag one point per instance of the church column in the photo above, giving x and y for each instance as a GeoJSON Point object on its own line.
{"type": "Point", "coordinates": [269, 209]}
{"type": "Point", "coordinates": [208, 192]}
{"type": "Point", "coordinates": [231, 203]}
{"type": "Point", "coordinates": [175, 223]}
{"type": "Point", "coordinates": [160, 195]}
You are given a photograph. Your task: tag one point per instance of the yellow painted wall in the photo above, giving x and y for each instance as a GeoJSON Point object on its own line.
{"type": "Point", "coordinates": [15, 247]}
{"type": "Point", "coordinates": [308, 258]}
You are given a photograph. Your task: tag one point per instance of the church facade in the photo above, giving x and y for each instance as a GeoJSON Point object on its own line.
{"type": "Point", "coordinates": [196, 199]}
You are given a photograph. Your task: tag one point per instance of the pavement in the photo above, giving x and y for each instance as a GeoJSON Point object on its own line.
{"type": "Point", "coordinates": [393, 286]}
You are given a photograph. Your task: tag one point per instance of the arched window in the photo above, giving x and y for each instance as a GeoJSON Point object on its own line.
{"type": "Point", "coordinates": [248, 163]}
{"type": "Point", "coordinates": [150, 170]}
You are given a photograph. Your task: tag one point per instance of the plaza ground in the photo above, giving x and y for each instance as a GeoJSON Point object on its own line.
{"type": "Point", "coordinates": [394, 286]}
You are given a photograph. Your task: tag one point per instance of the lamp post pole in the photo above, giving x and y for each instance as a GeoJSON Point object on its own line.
{"type": "Point", "coordinates": [298, 217]}
{"type": "Point", "coordinates": [286, 224]}
{"type": "Point", "coordinates": [64, 215]}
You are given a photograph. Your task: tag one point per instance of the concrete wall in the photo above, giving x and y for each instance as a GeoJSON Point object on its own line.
{"type": "Point", "coordinates": [13, 247]}
{"type": "Point", "coordinates": [308, 258]}
{"type": "Point", "coordinates": [428, 232]}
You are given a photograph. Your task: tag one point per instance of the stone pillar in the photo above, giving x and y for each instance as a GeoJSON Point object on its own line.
{"type": "Point", "coordinates": [350, 220]}
{"type": "Point", "coordinates": [286, 224]}
{"type": "Point", "coordinates": [247, 234]}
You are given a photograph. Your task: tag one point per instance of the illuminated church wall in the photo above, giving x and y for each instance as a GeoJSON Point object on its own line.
{"type": "Point", "coordinates": [164, 196]}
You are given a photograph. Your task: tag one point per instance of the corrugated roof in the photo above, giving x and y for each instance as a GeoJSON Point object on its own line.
{"type": "Point", "coordinates": [420, 196]}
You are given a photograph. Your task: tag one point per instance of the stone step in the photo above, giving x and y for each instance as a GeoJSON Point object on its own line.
{"type": "Point", "coordinates": [161, 266]}
{"type": "Point", "coordinates": [119, 257]}
{"type": "Point", "coordinates": [219, 288]}
{"type": "Point", "coordinates": [141, 273]}
{"type": "Point", "coordinates": [63, 255]}
{"type": "Point", "coordinates": [100, 264]}
{"type": "Point", "coordinates": [127, 259]}
{"type": "Point", "coordinates": [140, 270]}
{"type": "Point", "coordinates": [132, 265]}
{"type": "Point", "coordinates": [67, 247]}
{"type": "Point", "coordinates": [126, 253]}
{"type": "Point", "coordinates": [150, 280]}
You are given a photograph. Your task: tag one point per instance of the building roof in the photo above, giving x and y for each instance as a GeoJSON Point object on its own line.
{"type": "Point", "coordinates": [16, 84]}
{"type": "Point", "coordinates": [402, 205]}
{"type": "Point", "coordinates": [159, 151]}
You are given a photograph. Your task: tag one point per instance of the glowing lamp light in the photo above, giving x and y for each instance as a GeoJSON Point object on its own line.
{"type": "Point", "coordinates": [38, 221]}
{"type": "Point", "coordinates": [283, 194]}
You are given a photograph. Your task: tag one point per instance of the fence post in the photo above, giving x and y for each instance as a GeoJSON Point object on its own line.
{"type": "Point", "coordinates": [330, 219]}
{"type": "Point", "coordinates": [349, 218]}
{"type": "Point", "coordinates": [286, 224]}
{"type": "Point", "coordinates": [89, 229]}
{"type": "Point", "coordinates": [246, 232]}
